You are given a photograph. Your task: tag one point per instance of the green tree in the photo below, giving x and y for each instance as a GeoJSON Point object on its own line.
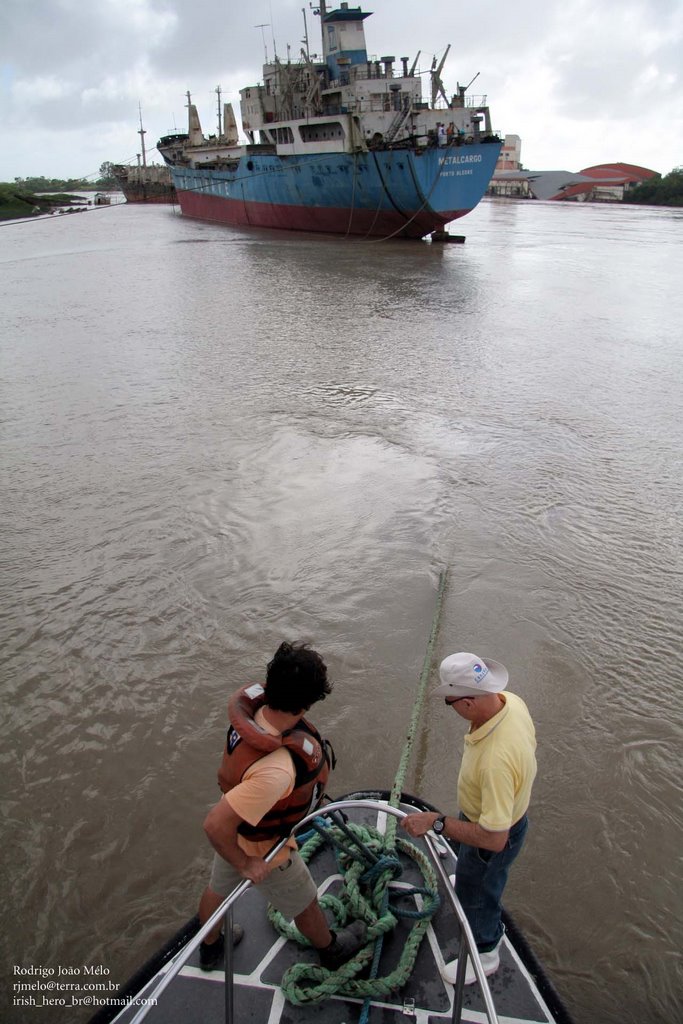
{"type": "Point", "coordinates": [43, 184]}
{"type": "Point", "coordinates": [107, 179]}
{"type": "Point", "coordinates": [658, 191]}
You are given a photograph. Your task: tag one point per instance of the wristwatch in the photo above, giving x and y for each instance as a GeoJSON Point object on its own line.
{"type": "Point", "coordinates": [439, 825]}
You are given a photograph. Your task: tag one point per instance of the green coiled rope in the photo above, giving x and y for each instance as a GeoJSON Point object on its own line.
{"type": "Point", "coordinates": [369, 861]}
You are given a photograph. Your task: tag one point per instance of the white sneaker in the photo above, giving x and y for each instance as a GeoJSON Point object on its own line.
{"type": "Point", "coordinates": [489, 961]}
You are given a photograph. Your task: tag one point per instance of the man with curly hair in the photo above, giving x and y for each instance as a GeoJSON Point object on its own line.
{"type": "Point", "coordinates": [273, 773]}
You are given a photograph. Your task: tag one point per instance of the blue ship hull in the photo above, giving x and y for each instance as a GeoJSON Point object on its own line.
{"type": "Point", "coordinates": [406, 192]}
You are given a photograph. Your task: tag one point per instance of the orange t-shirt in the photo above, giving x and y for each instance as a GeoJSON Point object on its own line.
{"type": "Point", "coordinates": [264, 783]}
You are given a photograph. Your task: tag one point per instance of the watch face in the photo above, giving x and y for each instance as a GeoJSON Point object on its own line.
{"type": "Point", "coordinates": [438, 825]}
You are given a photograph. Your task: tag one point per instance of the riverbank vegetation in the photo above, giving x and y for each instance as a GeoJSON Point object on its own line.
{"type": "Point", "coordinates": [53, 185]}
{"type": "Point", "coordinates": [29, 197]}
{"type": "Point", "coordinates": [104, 183]}
{"type": "Point", "coordinates": [18, 201]}
{"type": "Point", "coordinates": [658, 191]}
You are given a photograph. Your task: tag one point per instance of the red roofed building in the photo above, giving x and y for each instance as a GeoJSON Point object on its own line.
{"type": "Point", "coordinates": [628, 172]}
{"type": "Point", "coordinates": [603, 183]}
{"type": "Point", "coordinates": [608, 182]}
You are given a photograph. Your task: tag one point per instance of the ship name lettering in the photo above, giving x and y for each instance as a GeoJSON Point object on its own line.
{"type": "Point", "coordinates": [466, 158]}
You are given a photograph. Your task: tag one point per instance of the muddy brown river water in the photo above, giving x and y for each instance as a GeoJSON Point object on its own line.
{"type": "Point", "coordinates": [211, 440]}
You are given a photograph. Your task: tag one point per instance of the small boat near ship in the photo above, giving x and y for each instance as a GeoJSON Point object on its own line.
{"type": "Point", "coordinates": [343, 145]}
{"type": "Point", "coordinates": [402, 888]}
{"type": "Point", "coordinates": [143, 182]}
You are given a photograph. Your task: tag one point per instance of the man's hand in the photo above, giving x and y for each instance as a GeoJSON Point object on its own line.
{"type": "Point", "coordinates": [255, 869]}
{"type": "Point", "coordinates": [221, 828]}
{"type": "Point", "coordinates": [418, 824]}
{"type": "Point", "coordinates": [459, 831]}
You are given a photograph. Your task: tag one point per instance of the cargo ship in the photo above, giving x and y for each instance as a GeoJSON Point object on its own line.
{"type": "Point", "coordinates": [343, 144]}
{"type": "Point", "coordinates": [144, 183]}
{"type": "Point", "coordinates": [148, 183]}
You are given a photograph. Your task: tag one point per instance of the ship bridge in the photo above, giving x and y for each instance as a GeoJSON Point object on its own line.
{"type": "Point", "coordinates": [346, 94]}
{"type": "Point", "coordinates": [343, 39]}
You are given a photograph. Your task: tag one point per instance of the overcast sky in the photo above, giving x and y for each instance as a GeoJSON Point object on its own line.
{"type": "Point", "coordinates": [581, 82]}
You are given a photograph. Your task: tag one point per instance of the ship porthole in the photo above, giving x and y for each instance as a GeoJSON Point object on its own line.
{"type": "Point", "coordinates": [250, 165]}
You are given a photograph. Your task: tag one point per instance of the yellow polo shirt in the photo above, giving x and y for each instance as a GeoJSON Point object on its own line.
{"type": "Point", "coordinates": [498, 767]}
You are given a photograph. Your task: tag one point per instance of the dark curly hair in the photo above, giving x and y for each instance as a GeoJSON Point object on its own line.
{"type": "Point", "coordinates": [296, 678]}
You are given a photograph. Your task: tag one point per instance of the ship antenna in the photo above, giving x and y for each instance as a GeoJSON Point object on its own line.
{"type": "Point", "coordinates": [272, 29]}
{"type": "Point", "coordinates": [263, 37]}
{"type": "Point", "coordinates": [142, 134]}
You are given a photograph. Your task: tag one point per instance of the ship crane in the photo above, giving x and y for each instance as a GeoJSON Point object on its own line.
{"type": "Point", "coordinates": [437, 84]}
{"type": "Point", "coordinates": [459, 98]}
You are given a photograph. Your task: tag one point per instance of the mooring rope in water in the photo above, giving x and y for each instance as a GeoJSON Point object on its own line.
{"type": "Point", "coordinates": [368, 862]}
{"type": "Point", "coordinates": [419, 699]}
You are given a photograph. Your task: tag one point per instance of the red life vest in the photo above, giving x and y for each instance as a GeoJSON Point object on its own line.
{"type": "Point", "coordinates": [247, 742]}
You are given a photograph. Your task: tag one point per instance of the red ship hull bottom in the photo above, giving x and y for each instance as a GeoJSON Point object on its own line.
{"type": "Point", "coordinates": [325, 219]}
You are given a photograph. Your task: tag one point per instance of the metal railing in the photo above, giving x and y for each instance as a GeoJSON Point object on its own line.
{"type": "Point", "coordinates": [225, 910]}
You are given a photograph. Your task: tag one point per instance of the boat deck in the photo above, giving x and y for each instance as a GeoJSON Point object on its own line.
{"type": "Point", "coordinates": [261, 959]}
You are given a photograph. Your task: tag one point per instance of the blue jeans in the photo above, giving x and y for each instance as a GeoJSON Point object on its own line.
{"type": "Point", "coordinates": [480, 878]}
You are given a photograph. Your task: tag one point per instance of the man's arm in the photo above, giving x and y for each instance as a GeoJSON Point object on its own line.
{"type": "Point", "coordinates": [468, 832]}
{"type": "Point", "coordinates": [221, 826]}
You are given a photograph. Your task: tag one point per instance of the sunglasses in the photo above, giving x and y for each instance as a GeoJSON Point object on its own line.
{"type": "Point", "coordinates": [455, 700]}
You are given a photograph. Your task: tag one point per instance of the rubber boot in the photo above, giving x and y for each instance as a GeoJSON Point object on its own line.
{"type": "Point", "coordinates": [211, 955]}
{"type": "Point", "coordinates": [345, 944]}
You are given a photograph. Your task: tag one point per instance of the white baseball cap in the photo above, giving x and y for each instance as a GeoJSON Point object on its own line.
{"type": "Point", "coordinates": [467, 675]}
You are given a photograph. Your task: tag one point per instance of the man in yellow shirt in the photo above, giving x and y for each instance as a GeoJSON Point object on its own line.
{"type": "Point", "coordinates": [273, 773]}
{"type": "Point", "coordinates": [494, 788]}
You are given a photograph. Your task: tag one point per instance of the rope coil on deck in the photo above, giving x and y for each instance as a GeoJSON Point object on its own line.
{"type": "Point", "coordinates": [369, 863]}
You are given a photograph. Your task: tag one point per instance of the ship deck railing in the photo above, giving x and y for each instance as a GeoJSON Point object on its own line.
{"type": "Point", "coordinates": [224, 912]}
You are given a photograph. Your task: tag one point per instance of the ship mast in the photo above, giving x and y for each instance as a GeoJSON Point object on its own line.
{"type": "Point", "coordinates": [305, 39]}
{"type": "Point", "coordinates": [142, 133]}
{"type": "Point", "coordinates": [220, 124]}
{"type": "Point", "coordinates": [322, 11]}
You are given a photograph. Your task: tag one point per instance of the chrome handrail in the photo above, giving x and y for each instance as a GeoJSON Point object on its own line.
{"type": "Point", "coordinates": [184, 954]}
